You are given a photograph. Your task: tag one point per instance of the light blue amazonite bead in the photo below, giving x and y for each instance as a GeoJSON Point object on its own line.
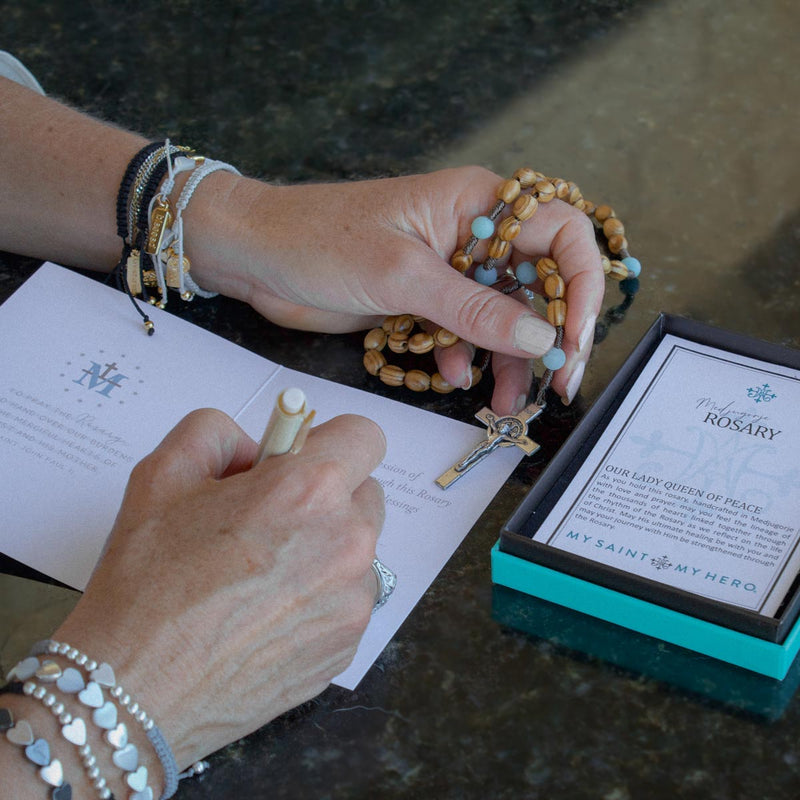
{"type": "Point", "coordinates": [485, 276]}
{"type": "Point", "coordinates": [554, 358]}
{"type": "Point", "coordinates": [526, 272]}
{"type": "Point", "coordinates": [634, 266]}
{"type": "Point", "coordinates": [482, 227]}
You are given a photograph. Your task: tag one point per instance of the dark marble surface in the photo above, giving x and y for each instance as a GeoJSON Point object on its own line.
{"type": "Point", "coordinates": [683, 115]}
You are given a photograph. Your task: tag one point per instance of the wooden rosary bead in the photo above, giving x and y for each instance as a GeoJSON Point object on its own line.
{"type": "Point", "coordinates": [545, 190]}
{"type": "Point", "coordinates": [403, 324]}
{"type": "Point", "coordinates": [461, 261]}
{"type": "Point", "coordinates": [417, 380]}
{"type": "Point", "coordinates": [617, 271]}
{"type": "Point", "coordinates": [574, 193]}
{"type": "Point", "coordinates": [545, 266]}
{"type": "Point", "coordinates": [606, 262]}
{"type": "Point", "coordinates": [392, 375]}
{"type": "Point", "coordinates": [421, 343]}
{"type": "Point", "coordinates": [440, 385]}
{"type": "Point", "coordinates": [562, 188]}
{"type": "Point", "coordinates": [554, 286]}
{"type": "Point", "coordinates": [445, 338]}
{"type": "Point", "coordinates": [509, 191]}
{"type": "Point", "coordinates": [388, 324]}
{"type": "Point", "coordinates": [616, 244]}
{"type": "Point", "coordinates": [477, 374]}
{"type": "Point", "coordinates": [509, 229]}
{"type": "Point", "coordinates": [603, 212]}
{"type": "Point", "coordinates": [374, 360]}
{"type": "Point", "coordinates": [588, 208]}
{"type": "Point", "coordinates": [398, 342]}
{"type": "Point", "coordinates": [613, 227]}
{"type": "Point", "coordinates": [580, 204]}
{"type": "Point", "coordinates": [498, 247]}
{"type": "Point", "coordinates": [525, 207]}
{"type": "Point", "coordinates": [526, 177]}
{"type": "Point", "coordinates": [557, 313]}
{"type": "Point", "coordinates": [375, 339]}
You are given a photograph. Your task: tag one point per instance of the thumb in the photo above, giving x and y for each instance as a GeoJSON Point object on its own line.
{"type": "Point", "coordinates": [479, 314]}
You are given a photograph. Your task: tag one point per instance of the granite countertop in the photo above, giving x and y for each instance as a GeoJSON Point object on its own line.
{"type": "Point", "coordinates": [683, 116]}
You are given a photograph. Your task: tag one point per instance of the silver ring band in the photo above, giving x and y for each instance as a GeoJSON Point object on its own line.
{"type": "Point", "coordinates": [387, 581]}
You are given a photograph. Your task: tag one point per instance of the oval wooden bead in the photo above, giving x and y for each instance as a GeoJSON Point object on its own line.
{"type": "Point", "coordinates": [562, 188]}
{"type": "Point", "coordinates": [421, 343]}
{"type": "Point", "coordinates": [509, 229]}
{"type": "Point", "coordinates": [580, 204]}
{"type": "Point", "coordinates": [375, 339]}
{"type": "Point", "coordinates": [525, 207]}
{"type": "Point", "coordinates": [574, 192]}
{"type": "Point", "coordinates": [544, 267]}
{"type": "Point", "coordinates": [403, 324]}
{"type": "Point", "coordinates": [606, 262]}
{"type": "Point", "coordinates": [477, 374]}
{"type": "Point", "coordinates": [526, 177]}
{"type": "Point", "coordinates": [498, 248]}
{"type": "Point", "coordinates": [508, 191]}
{"type": "Point", "coordinates": [440, 385]}
{"type": "Point", "coordinates": [545, 190]}
{"type": "Point", "coordinates": [554, 287]}
{"type": "Point", "coordinates": [617, 271]}
{"type": "Point", "coordinates": [461, 261]}
{"type": "Point", "coordinates": [388, 324]}
{"type": "Point", "coordinates": [613, 227]}
{"type": "Point", "coordinates": [617, 243]}
{"type": "Point", "coordinates": [603, 212]}
{"type": "Point", "coordinates": [373, 361]}
{"type": "Point", "coordinates": [445, 338]}
{"type": "Point", "coordinates": [588, 208]}
{"type": "Point", "coordinates": [417, 380]}
{"type": "Point", "coordinates": [392, 375]}
{"type": "Point", "coordinates": [557, 313]}
{"type": "Point", "coordinates": [398, 342]}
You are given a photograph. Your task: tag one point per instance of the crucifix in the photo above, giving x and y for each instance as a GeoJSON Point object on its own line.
{"type": "Point", "coordinates": [500, 432]}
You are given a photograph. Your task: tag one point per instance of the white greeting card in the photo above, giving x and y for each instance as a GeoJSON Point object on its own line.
{"type": "Point", "coordinates": [84, 395]}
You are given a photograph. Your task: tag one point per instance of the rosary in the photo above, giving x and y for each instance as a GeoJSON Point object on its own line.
{"type": "Point", "coordinates": [523, 193]}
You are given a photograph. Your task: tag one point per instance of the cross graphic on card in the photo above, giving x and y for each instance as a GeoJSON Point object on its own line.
{"type": "Point", "coordinates": [500, 432]}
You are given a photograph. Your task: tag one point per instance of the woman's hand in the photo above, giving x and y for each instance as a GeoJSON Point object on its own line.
{"type": "Point", "coordinates": [229, 592]}
{"type": "Point", "coordinates": [339, 257]}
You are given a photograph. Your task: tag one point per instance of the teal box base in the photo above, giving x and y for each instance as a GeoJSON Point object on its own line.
{"type": "Point", "coordinates": [582, 638]}
{"type": "Point", "coordinates": [749, 652]}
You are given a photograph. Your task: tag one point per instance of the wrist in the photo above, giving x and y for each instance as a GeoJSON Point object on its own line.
{"type": "Point", "coordinates": [224, 236]}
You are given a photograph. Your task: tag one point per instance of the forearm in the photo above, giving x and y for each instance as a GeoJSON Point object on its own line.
{"type": "Point", "coordinates": [60, 175]}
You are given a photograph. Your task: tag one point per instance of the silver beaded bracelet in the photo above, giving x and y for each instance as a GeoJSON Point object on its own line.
{"type": "Point", "coordinates": [101, 675]}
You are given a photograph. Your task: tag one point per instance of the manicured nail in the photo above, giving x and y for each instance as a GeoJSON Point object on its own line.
{"type": "Point", "coordinates": [573, 384]}
{"type": "Point", "coordinates": [465, 381]}
{"type": "Point", "coordinates": [587, 333]}
{"type": "Point", "coordinates": [533, 335]}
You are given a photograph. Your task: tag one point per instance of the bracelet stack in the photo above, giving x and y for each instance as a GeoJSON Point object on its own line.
{"type": "Point", "coordinates": [523, 193]}
{"type": "Point", "coordinates": [153, 258]}
{"type": "Point", "coordinates": [84, 688]}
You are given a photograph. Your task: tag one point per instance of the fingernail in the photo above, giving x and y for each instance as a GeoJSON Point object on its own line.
{"type": "Point", "coordinates": [533, 335]}
{"type": "Point", "coordinates": [465, 381]}
{"type": "Point", "coordinates": [587, 333]}
{"type": "Point", "coordinates": [573, 384]}
{"type": "Point", "coordinates": [519, 404]}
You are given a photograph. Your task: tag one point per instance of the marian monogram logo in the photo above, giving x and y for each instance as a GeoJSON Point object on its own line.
{"type": "Point", "coordinates": [98, 379]}
{"type": "Point", "coordinates": [103, 382]}
{"type": "Point", "coordinates": [761, 394]}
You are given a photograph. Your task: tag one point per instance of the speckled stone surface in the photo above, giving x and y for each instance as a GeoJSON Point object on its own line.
{"type": "Point", "coordinates": [684, 116]}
